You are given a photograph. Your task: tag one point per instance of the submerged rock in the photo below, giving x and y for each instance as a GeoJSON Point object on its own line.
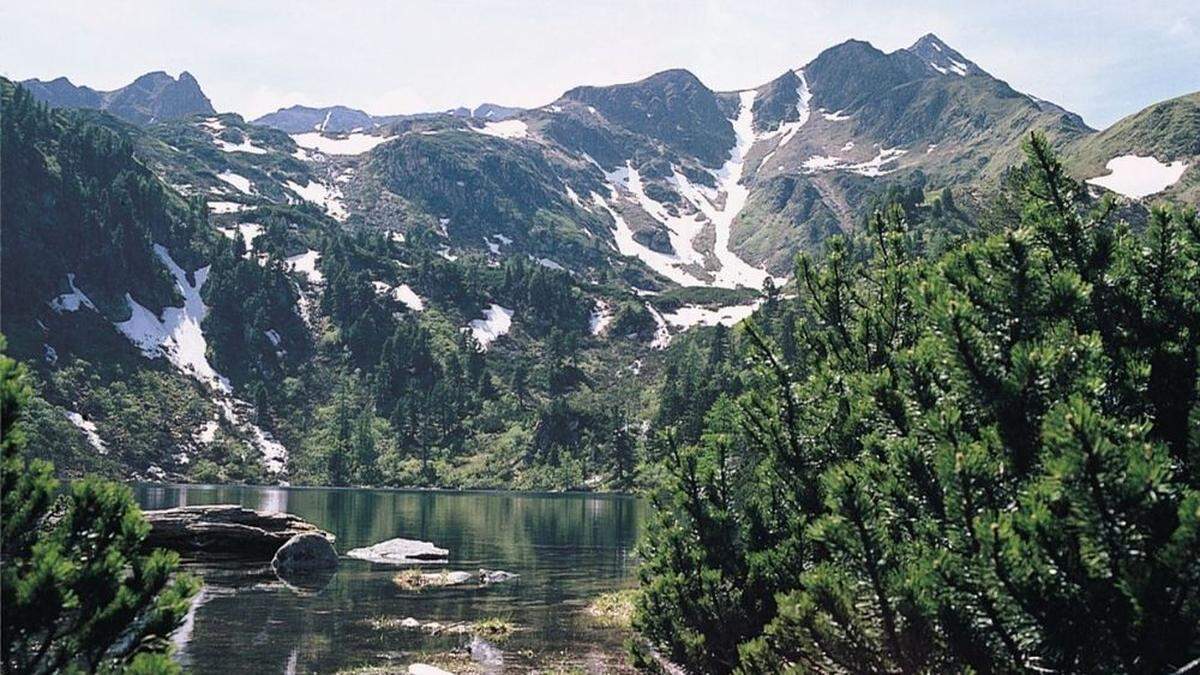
{"type": "Point", "coordinates": [495, 576]}
{"type": "Point", "coordinates": [225, 531]}
{"type": "Point", "coordinates": [415, 579]}
{"type": "Point", "coordinates": [400, 552]}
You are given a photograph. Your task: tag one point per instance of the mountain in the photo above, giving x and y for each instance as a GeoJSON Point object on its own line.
{"type": "Point", "coordinates": [334, 119]}
{"type": "Point", "coordinates": [476, 297]}
{"type": "Point", "coordinates": [340, 119]}
{"type": "Point", "coordinates": [150, 98]}
{"type": "Point", "coordinates": [1154, 151]}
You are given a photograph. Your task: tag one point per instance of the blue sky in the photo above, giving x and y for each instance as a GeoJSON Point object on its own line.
{"type": "Point", "coordinates": [1102, 59]}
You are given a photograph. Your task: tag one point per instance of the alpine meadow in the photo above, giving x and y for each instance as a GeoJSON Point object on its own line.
{"type": "Point", "coordinates": [880, 366]}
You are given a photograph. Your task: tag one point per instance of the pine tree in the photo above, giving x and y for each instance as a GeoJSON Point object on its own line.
{"type": "Point", "coordinates": [78, 591]}
{"type": "Point", "coordinates": [981, 462]}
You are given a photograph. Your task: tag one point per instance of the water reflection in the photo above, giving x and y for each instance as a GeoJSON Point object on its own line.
{"type": "Point", "coordinates": [566, 549]}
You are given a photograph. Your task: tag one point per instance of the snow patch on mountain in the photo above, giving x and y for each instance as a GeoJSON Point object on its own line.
{"type": "Point", "coordinates": [496, 321]}
{"type": "Point", "coordinates": [662, 334]}
{"type": "Point", "coordinates": [71, 302]}
{"type": "Point", "coordinates": [549, 264]}
{"type": "Point", "coordinates": [504, 129]}
{"type": "Point", "coordinates": [306, 264]}
{"type": "Point", "coordinates": [247, 231]}
{"type": "Point", "coordinates": [88, 428]}
{"type": "Point", "coordinates": [403, 294]}
{"type": "Point", "coordinates": [663, 263]}
{"type": "Point", "coordinates": [219, 208]}
{"type": "Point", "coordinates": [695, 315]}
{"type": "Point", "coordinates": [246, 146]}
{"type": "Point", "coordinates": [873, 167]}
{"type": "Point", "coordinates": [352, 144]}
{"type": "Point", "coordinates": [681, 228]}
{"type": "Point", "coordinates": [328, 198]}
{"type": "Point", "coordinates": [1137, 177]}
{"type": "Point", "coordinates": [238, 181]}
{"type": "Point", "coordinates": [734, 271]}
{"type": "Point", "coordinates": [177, 334]}
{"type": "Point", "coordinates": [601, 316]}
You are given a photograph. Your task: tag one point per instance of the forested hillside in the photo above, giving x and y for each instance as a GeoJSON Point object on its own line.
{"type": "Point", "coordinates": [280, 346]}
{"type": "Point", "coordinates": [983, 460]}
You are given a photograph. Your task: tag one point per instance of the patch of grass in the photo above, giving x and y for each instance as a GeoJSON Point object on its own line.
{"type": "Point", "coordinates": [494, 628]}
{"type": "Point", "coordinates": [409, 579]}
{"type": "Point", "coordinates": [615, 608]}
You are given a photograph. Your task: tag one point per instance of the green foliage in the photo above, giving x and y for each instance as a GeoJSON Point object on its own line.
{"type": "Point", "coordinates": [79, 594]}
{"type": "Point", "coordinates": [985, 461]}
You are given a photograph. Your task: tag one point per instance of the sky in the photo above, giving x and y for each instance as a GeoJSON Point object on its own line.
{"type": "Point", "coordinates": [1101, 59]}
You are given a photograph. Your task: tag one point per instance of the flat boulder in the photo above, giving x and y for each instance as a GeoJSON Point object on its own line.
{"type": "Point", "coordinates": [400, 552]}
{"type": "Point", "coordinates": [227, 531]}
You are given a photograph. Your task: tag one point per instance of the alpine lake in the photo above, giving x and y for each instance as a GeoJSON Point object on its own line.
{"type": "Point", "coordinates": [566, 548]}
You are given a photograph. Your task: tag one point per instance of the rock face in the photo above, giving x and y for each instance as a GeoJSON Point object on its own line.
{"type": "Point", "coordinates": [226, 531]}
{"type": "Point", "coordinates": [303, 553]}
{"type": "Point", "coordinates": [400, 552]}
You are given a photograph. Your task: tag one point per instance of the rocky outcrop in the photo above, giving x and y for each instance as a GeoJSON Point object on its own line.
{"type": "Point", "coordinates": [226, 531]}
{"type": "Point", "coordinates": [400, 552]}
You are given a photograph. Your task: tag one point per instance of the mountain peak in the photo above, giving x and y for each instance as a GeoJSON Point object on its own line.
{"type": "Point", "coordinates": [942, 58]}
{"type": "Point", "coordinates": [152, 97]}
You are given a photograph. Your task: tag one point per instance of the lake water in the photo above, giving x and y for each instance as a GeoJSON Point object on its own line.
{"type": "Point", "coordinates": [567, 549]}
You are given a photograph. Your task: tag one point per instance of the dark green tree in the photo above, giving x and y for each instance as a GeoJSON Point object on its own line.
{"type": "Point", "coordinates": [79, 593]}
{"type": "Point", "coordinates": [983, 462]}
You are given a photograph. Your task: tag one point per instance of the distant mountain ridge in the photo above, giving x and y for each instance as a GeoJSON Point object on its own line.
{"type": "Point", "coordinates": [150, 98]}
{"type": "Point", "coordinates": [340, 119]}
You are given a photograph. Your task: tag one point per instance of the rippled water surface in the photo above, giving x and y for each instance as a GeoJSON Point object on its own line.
{"type": "Point", "coordinates": [566, 548]}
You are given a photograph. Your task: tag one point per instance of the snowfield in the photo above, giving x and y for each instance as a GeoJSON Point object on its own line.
{"type": "Point", "coordinates": [247, 231]}
{"type": "Point", "coordinates": [496, 321]}
{"type": "Point", "coordinates": [403, 294]}
{"type": "Point", "coordinates": [734, 271]}
{"type": "Point", "coordinates": [246, 146]}
{"type": "Point", "coordinates": [177, 335]}
{"type": "Point", "coordinates": [328, 198]}
{"type": "Point", "coordinates": [306, 264]}
{"type": "Point", "coordinates": [241, 183]}
{"type": "Point", "coordinates": [505, 129]}
{"type": "Point", "coordinates": [1136, 177]}
{"type": "Point", "coordinates": [872, 168]}
{"type": "Point", "coordinates": [353, 144]}
{"type": "Point", "coordinates": [683, 227]}
{"type": "Point", "coordinates": [695, 315]}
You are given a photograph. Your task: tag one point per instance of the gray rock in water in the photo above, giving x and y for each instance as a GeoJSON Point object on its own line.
{"type": "Point", "coordinates": [495, 576]}
{"type": "Point", "coordinates": [225, 531]}
{"type": "Point", "coordinates": [303, 553]}
{"type": "Point", "coordinates": [400, 552]}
